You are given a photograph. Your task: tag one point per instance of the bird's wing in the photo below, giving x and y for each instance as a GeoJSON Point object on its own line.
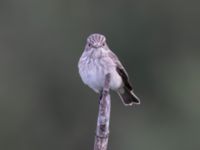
{"type": "Point", "coordinates": [121, 70]}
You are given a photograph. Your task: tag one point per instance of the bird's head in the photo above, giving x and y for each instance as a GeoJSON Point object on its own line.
{"type": "Point", "coordinates": [96, 41]}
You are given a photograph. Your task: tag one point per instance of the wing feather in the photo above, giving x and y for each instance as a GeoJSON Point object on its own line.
{"type": "Point", "coordinates": [121, 70]}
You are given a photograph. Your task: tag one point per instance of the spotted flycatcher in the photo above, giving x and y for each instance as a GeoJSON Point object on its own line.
{"type": "Point", "coordinates": [97, 61]}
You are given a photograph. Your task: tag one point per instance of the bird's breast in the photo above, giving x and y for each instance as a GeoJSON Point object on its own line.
{"type": "Point", "coordinates": [93, 72]}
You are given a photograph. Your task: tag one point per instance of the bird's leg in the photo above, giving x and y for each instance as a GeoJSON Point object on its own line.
{"type": "Point", "coordinates": [101, 95]}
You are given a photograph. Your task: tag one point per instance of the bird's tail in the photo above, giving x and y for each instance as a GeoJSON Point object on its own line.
{"type": "Point", "coordinates": [128, 97]}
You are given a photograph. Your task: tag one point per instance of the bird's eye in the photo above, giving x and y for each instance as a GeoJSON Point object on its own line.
{"type": "Point", "coordinates": [103, 44]}
{"type": "Point", "coordinates": [89, 45]}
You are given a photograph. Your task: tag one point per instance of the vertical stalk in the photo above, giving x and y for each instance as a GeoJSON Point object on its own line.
{"type": "Point", "coordinates": [103, 121]}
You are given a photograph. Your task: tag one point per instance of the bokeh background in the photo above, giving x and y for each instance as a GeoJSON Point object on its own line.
{"type": "Point", "coordinates": [45, 106]}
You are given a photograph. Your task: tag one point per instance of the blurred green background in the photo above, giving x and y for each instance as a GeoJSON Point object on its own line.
{"type": "Point", "coordinates": [45, 106]}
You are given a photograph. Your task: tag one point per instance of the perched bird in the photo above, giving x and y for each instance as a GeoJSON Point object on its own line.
{"type": "Point", "coordinates": [96, 61]}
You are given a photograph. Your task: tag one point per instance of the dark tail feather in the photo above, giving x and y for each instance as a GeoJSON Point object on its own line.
{"type": "Point", "coordinates": [128, 97]}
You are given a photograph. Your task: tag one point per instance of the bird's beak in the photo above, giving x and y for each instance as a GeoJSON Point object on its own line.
{"type": "Point", "coordinates": [97, 45]}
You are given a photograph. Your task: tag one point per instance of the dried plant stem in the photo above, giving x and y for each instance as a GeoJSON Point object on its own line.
{"type": "Point", "coordinates": [103, 121]}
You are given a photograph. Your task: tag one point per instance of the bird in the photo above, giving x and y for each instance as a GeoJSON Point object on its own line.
{"type": "Point", "coordinates": [96, 61]}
